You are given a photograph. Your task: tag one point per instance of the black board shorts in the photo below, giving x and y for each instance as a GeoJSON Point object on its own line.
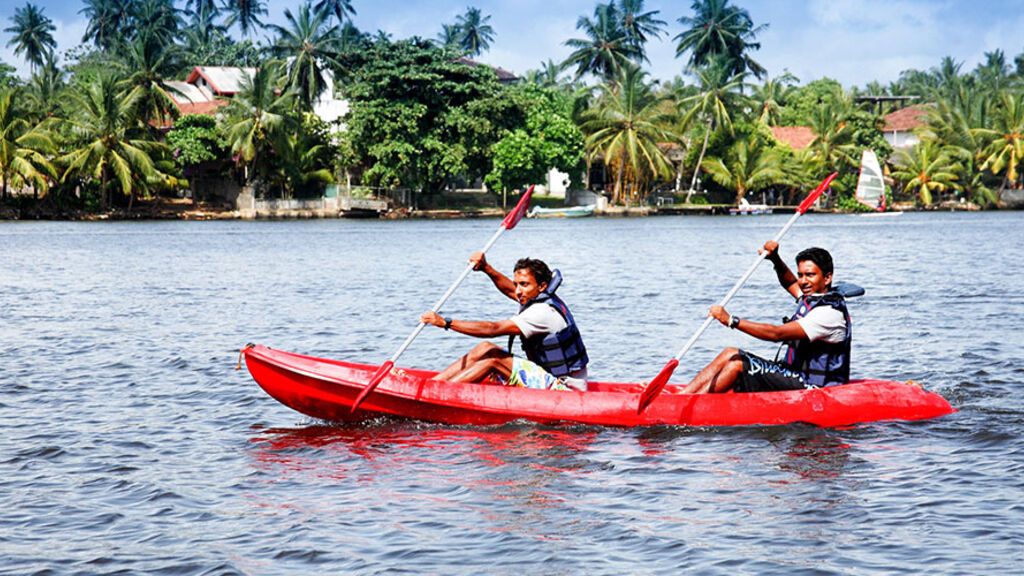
{"type": "Point", "coordinates": [760, 375]}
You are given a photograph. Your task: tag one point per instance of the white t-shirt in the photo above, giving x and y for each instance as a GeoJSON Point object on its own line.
{"type": "Point", "coordinates": [824, 323]}
{"type": "Point", "coordinates": [543, 318]}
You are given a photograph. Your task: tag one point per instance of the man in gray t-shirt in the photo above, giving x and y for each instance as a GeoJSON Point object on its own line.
{"type": "Point", "coordinates": [530, 281]}
{"type": "Point", "coordinates": [818, 338]}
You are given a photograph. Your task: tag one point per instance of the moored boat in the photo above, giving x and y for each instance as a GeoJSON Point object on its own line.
{"type": "Point", "coordinates": [567, 212]}
{"type": "Point", "coordinates": [326, 389]}
{"type": "Point", "coordinates": [746, 208]}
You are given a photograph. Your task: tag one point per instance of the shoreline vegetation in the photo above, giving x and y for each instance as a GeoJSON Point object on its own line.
{"type": "Point", "coordinates": [112, 129]}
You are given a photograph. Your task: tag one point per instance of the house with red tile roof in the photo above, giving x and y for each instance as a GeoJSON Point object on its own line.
{"type": "Point", "coordinates": [900, 125]}
{"type": "Point", "coordinates": [798, 137]}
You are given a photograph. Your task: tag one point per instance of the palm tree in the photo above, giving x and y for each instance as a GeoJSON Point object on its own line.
{"type": "Point", "coordinates": [106, 144]}
{"type": "Point", "coordinates": [772, 96]}
{"type": "Point", "coordinates": [257, 116]}
{"type": "Point", "coordinates": [309, 47]}
{"type": "Point", "coordinates": [147, 64]}
{"type": "Point", "coordinates": [832, 148]}
{"type": "Point", "coordinates": [638, 25]}
{"type": "Point", "coordinates": [925, 169]}
{"type": "Point", "coordinates": [746, 166]}
{"type": "Point", "coordinates": [718, 94]}
{"type": "Point", "coordinates": [625, 127]}
{"type": "Point", "coordinates": [202, 8]}
{"type": "Point", "coordinates": [1003, 140]}
{"type": "Point", "coordinates": [718, 29]}
{"type": "Point", "coordinates": [475, 34]}
{"type": "Point", "coordinates": [341, 9]}
{"type": "Point", "coordinates": [33, 35]}
{"type": "Point", "coordinates": [42, 97]}
{"type": "Point", "coordinates": [23, 148]}
{"type": "Point", "coordinates": [108, 20]}
{"type": "Point", "coordinates": [605, 50]}
{"type": "Point", "coordinates": [158, 20]}
{"type": "Point", "coordinates": [246, 13]}
{"type": "Point", "coordinates": [449, 36]}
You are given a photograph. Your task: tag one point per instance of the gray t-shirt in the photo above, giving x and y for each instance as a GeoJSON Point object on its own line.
{"type": "Point", "coordinates": [824, 323]}
{"type": "Point", "coordinates": [543, 318]}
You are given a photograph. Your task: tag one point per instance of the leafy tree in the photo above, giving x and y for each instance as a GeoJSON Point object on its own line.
{"type": "Point", "coordinates": [606, 48]}
{"type": "Point", "coordinates": [449, 36]}
{"type": "Point", "coordinates": [8, 76]}
{"type": "Point", "coordinates": [626, 127]}
{"type": "Point", "coordinates": [195, 139]}
{"type": "Point", "coordinates": [474, 33]}
{"type": "Point", "coordinates": [33, 34]}
{"type": "Point", "coordinates": [719, 30]}
{"type": "Point", "coordinates": [547, 139]}
{"type": "Point", "coordinates": [419, 118]}
{"type": "Point", "coordinates": [310, 47]}
{"type": "Point", "coordinates": [24, 148]}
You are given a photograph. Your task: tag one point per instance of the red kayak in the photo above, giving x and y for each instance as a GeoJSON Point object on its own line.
{"type": "Point", "coordinates": [326, 389]}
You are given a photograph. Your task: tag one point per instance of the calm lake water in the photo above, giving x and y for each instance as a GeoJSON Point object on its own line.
{"type": "Point", "coordinates": [130, 444]}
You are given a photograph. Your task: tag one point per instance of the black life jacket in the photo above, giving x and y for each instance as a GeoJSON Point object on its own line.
{"type": "Point", "coordinates": [562, 352]}
{"type": "Point", "coordinates": [822, 363]}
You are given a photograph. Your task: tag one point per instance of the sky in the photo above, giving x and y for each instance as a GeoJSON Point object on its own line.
{"type": "Point", "coordinates": [852, 41]}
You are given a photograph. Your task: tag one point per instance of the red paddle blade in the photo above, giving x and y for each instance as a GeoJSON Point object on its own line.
{"type": "Point", "coordinates": [652, 390]}
{"type": "Point", "coordinates": [813, 196]}
{"type": "Point", "coordinates": [517, 213]}
{"type": "Point", "coordinates": [377, 377]}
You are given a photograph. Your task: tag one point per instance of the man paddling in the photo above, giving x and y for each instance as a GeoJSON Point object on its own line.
{"type": "Point", "coordinates": [556, 358]}
{"type": "Point", "coordinates": [818, 336]}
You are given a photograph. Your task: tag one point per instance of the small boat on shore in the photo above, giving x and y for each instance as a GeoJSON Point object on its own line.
{"type": "Point", "coordinates": [746, 208]}
{"type": "Point", "coordinates": [326, 389]}
{"type": "Point", "coordinates": [567, 212]}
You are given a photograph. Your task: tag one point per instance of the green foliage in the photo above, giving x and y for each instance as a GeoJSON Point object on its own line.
{"type": "Point", "coordinates": [8, 76]}
{"type": "Point", "coordinates": [419, 118]}
{"type": "Point", "coordinates": [196, 139]}
{"type": "Point", "coordinates": [549, 139]}
{"type": "Point", "coordinates": [802, 103]}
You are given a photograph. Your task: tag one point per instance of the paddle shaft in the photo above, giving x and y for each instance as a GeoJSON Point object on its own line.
{"type": "Point", "coordinates": [510, 221]}
{"type": "Point", "coordinates": [654, 387]}
{"type": "Point", "coordinates": [750, 272]}
{"type": "Point", "coordinates": [451, 290]}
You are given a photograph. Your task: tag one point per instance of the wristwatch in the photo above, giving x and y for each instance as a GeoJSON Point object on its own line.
{"type": "Point", "coordinates": [734, 321]}
{"type": "Point", "coordinates": [447, 323]}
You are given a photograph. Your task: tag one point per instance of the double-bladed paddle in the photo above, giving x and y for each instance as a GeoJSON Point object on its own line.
{"type": "Point", "coordinates": [652, 390]}
{"type": "Point", "coordinates": [510, 221]}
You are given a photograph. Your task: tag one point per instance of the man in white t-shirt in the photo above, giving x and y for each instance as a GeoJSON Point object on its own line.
{"type": "Point", "coordinates": [818, 336]}
{"type": "Point", "coordinates": [556, 357]}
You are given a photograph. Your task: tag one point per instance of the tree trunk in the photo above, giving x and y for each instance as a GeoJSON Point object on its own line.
{"type": "Point", "coordinates": [700, 160]}
{"type": "Point", "coordinates": [617, 193]}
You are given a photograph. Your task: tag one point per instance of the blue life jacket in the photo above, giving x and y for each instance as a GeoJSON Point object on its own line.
{"type": "Point", "coordinates": [822, 363]}
{"type": "Point", "coordinates": [562, 352]}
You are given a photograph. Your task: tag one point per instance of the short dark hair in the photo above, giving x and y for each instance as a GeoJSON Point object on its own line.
{"type": "Point", "coordinates": [541, 272]}
{"type": "Point", "coordinates": [821, 258]}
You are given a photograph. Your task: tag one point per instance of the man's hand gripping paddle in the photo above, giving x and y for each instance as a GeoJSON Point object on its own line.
{"type": "Point", "coordinates": [652, 390]}
{"type": "Point", "coordinates": [510, 221]}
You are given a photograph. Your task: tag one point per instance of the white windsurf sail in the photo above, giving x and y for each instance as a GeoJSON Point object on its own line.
{"type": "Point", "coordinates": [870, 187]}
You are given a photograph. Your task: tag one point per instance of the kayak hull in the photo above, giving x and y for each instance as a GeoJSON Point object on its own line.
{"type": "Point", "coordinates": [326, 389]}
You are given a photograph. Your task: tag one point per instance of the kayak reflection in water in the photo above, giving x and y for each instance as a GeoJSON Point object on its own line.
{"type": "Point", "coordinates": [556, 358]}
{"type": "Point", "coordinates": [817, 337]}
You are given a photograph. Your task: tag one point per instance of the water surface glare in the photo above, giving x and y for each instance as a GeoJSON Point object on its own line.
{"type": "Point", "coordinates": [130, 444]}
